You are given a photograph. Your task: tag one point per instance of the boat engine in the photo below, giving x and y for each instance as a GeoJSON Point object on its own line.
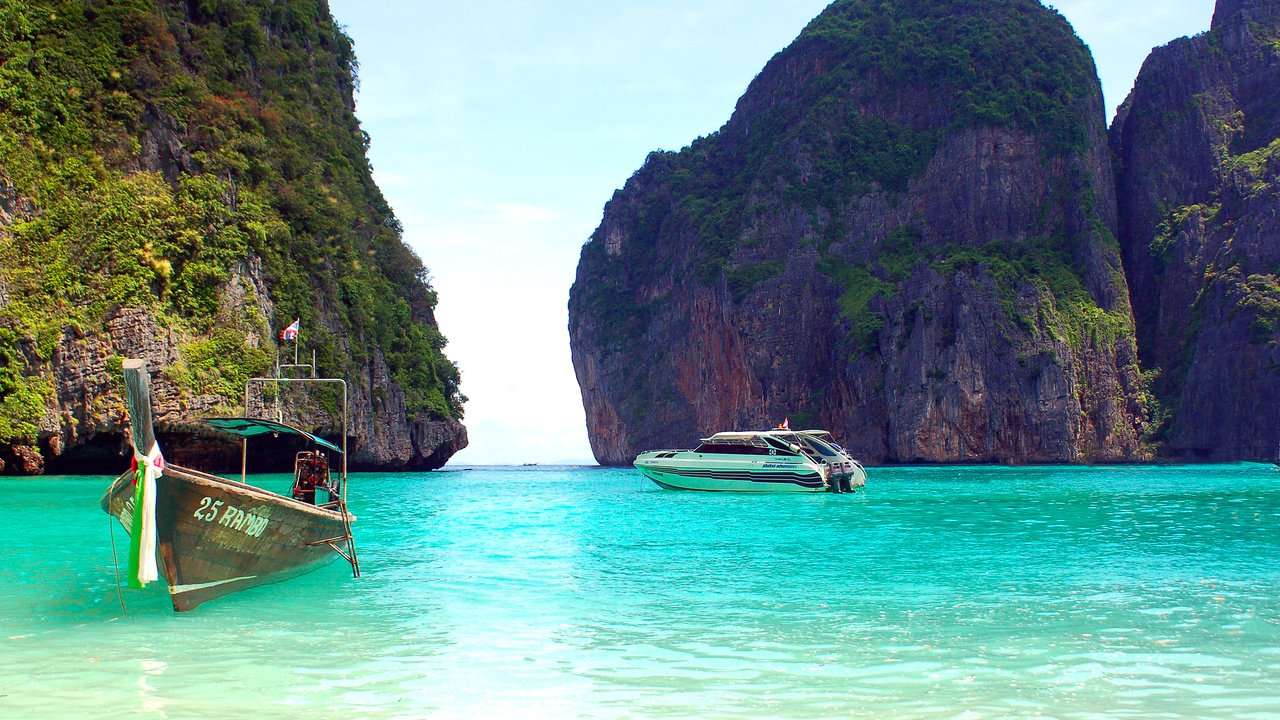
{"type": "Point", "coordinates": [310, 470]}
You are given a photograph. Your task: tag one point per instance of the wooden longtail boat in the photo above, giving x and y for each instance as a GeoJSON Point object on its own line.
{"type": "Point", "coordinates": [216, 536]}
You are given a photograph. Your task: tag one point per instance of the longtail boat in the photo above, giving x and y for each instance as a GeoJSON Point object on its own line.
{"type": "Point", "coordinates": [215, 535]}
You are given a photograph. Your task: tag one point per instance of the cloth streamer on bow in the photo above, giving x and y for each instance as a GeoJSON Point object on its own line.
{"type": "Point", "coordinates": [142, 536]}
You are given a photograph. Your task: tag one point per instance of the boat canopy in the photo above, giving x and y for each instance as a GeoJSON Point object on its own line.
{"type": "Point", "coordinates": [817, 442]}
{"type": "Point", "coordinates": [733, 437]}
{"type": "Point", "coordinates": [768, 440]}
{"type": "Point", "coordinates": [763, 436]}
{"type": "Point", "coordinates": [246, 426]}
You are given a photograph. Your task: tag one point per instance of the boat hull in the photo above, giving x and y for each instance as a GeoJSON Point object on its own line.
{"type": "Point", "coordinates": [219, 536]}
{"type": "Point", "coordinates": [706, 472]}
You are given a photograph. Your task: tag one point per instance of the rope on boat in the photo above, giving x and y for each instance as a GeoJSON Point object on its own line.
{"type": "Point", "coordinates": [111, 530]}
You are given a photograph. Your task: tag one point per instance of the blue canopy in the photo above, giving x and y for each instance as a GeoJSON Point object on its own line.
{"type": "Point", "coordinates": [246, 426]}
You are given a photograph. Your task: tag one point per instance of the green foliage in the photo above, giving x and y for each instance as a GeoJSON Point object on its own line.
{"type": "Point", "coordinates": [1157, 415]}
{"type": "Point", "coordinates": [1162, 242]}
{"type": "Point", "coordinates": [821, 133]}
{"type": "Point", "coordinates": [1261, 296]}
{"type": "Point", "coordinates": [1255, 164]}
{"type": "Point", "coordinates": [1001, 63]}
{"type": "Point", "coordinates": [620, 321]}
{"type": "Point", "coordinates": [23, 397]}
{"type": "Point", "coordinates": [744, 277]}
{"type": "Point", "coordinates": [1066, 307]}
{"type": "Point", "coordinates": [859, 287]}
{"type": "Point", "coordinates": [901, 252]}
{"type": "Point", "coordinates": [855, 155]}
{"type": "Point", "coordinates": [258, 94]}
{"type": "Point", "coordinates": [219, 365]}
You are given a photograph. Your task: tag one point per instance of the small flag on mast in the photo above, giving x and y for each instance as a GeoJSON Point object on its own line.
{"type": "Point", "coordinates": [291, 332]}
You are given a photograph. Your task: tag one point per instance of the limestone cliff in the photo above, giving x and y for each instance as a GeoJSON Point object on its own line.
{"type": "Point", "coordinates": [179, 181]}
{"type": "Point", "coordinates": [904, 234]}
{"type": "Point", "coordinates": [1198, 171]}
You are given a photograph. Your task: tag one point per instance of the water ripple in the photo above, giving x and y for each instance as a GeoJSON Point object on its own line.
{"type": "Point", "coordinates": [937, 593]}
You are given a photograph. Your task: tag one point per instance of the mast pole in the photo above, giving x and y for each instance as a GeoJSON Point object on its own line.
{"type": "Point", "coordinates": [344, 442]}
{"type": "Point", "coordinates": [138, 395]}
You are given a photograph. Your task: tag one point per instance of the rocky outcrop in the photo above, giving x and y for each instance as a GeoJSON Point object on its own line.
{"type": "Point", "coordinates": [1197, 143]}
{"type": "Point", "coordinates": [85, 425]}
{"type": "Point", "coordinates": [888, 239]}
{"type": "Point", "coordinates": [162, 147]}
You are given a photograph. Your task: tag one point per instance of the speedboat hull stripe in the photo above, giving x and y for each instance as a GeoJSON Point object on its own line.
{"type": "Point", "coordinates": [804, 479]}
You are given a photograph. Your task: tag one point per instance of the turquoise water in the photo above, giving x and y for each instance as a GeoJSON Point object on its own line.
{"type": "Point", "coordinates": [1149, 592]}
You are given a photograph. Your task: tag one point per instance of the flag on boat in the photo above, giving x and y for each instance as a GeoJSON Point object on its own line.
{"type": "Point", "coordinates": [291, 332]}
{"type": "Point", "coordinates": [142, 533]}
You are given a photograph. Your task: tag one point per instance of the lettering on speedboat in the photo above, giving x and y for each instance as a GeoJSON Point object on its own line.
{"type": "Point", "coordinates": [232, 517]}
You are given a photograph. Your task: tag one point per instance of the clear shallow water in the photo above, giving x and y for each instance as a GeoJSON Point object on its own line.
{"type": "Point", "coordinates": [1148, 592]}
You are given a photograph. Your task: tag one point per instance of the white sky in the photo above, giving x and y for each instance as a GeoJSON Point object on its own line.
{"type": "Point", "coordinates": [500, 129]}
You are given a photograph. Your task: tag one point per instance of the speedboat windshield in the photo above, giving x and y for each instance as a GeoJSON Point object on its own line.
{"type": "Point", "coordinates": [708, 446]}
{"type": "Point", "coordinates": [821, 447]}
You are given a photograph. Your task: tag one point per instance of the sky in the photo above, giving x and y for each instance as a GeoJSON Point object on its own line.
{"type": "Point", "coordinates": [501, 128]}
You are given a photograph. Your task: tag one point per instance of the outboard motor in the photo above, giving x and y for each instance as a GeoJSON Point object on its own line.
{"type": "Point", "coordinates": [310, 469]}
{"type": "Point", "coordinates": [830, 478]}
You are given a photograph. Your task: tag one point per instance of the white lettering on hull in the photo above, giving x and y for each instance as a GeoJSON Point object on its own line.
{"type": "Point", "coordinates": [230, 516]}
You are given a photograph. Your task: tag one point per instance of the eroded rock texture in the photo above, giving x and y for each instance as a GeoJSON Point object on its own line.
{"type": "Point", "coordinates": [1198, 143]}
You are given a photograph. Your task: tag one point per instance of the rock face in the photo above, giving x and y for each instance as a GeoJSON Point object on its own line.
{"type": "Point", "coordinates": [178, 181]}
{"type": "Point", "coordinates": [1198, 172]}
{"type": "Point", "coordinates": [904, 234]}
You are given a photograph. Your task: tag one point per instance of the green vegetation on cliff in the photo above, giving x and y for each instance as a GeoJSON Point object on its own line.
{"type": "Point", "coordinates": [999, 63]}
{"type": "Point", "coordinates": [858, 106]}
{"type": "Point", "coordinates": [160, 146]}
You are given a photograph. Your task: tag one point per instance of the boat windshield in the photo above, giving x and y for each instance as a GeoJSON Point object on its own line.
{"type": "Point", "coordinates": [821, 447]}
{"type": "Point", "coordinates": [782, 446]}
{"type": "Point", "coordinates": [731, 449]}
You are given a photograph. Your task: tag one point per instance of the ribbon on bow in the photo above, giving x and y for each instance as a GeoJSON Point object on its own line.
{"type": "Point", "coordinates": [142, 535]}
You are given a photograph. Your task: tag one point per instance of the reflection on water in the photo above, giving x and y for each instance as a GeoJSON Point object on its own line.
{"type": "Point", "coordinates": [938, 592]}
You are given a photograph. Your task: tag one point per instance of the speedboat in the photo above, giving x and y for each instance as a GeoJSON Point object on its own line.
{"type": "Point", "coordinates": [778, 460]}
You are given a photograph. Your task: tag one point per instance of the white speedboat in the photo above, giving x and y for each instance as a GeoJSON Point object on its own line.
{"type": "Point", "coordinates": [779, 460]}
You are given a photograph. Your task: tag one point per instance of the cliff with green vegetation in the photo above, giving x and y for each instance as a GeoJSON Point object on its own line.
{"type": "Point", "coordinates": [178, 182]}
{"type": "Point", "coordinates": [905, 234]}
{"type": "Point", "coordinates": [1198, 167]}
